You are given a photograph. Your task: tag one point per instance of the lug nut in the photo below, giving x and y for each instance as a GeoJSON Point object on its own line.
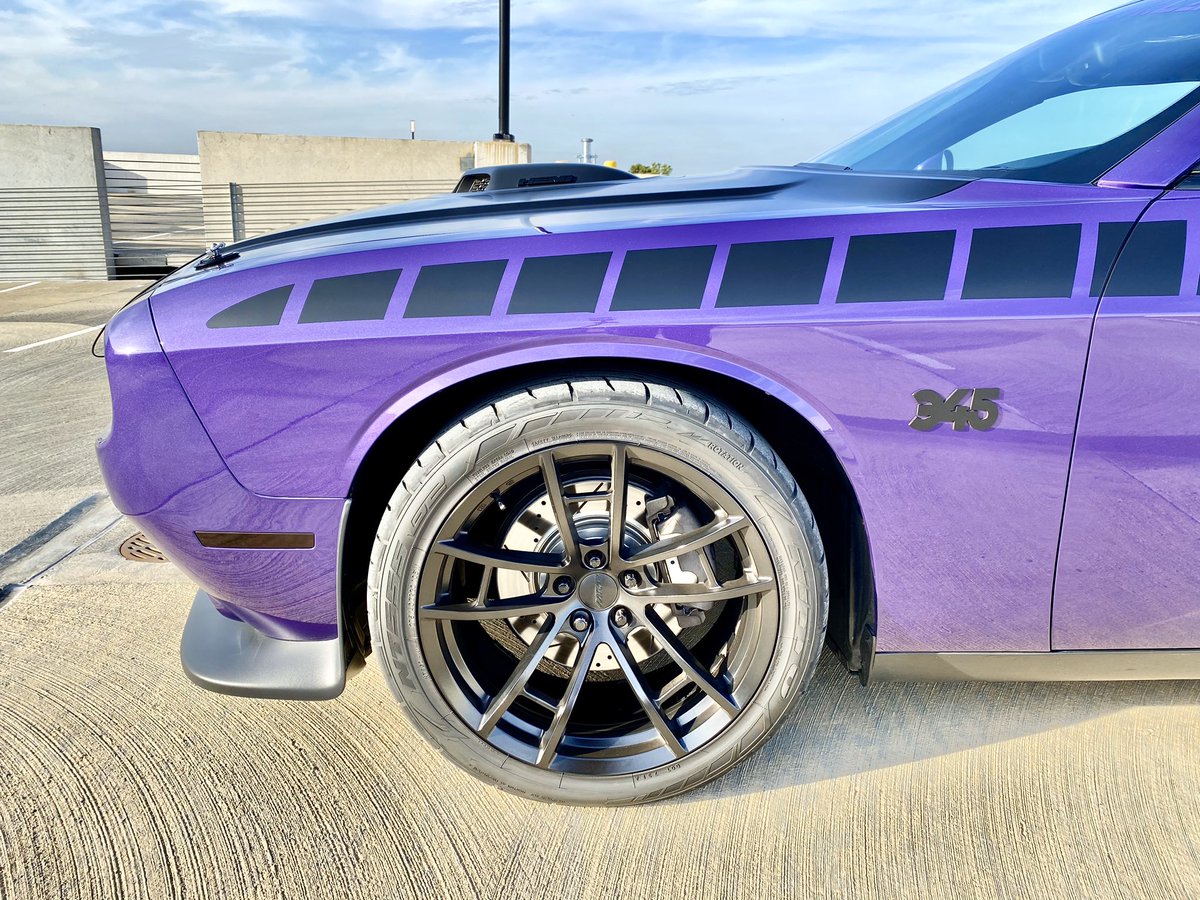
{"type": "Point", "coordinates": [563, 585]}
{"type": "Point", "coordinates": [580, 621]}
{"type": "Point", "coordinates": [620, 617]}
{"type": "Point", "coordinates": [594, 559]}
{"type": "Point", "coordinates": [631, 580]}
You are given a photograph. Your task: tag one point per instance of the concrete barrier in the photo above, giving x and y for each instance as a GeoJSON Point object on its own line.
{"type": "Point", "coordinates": [234, 164]}
{"type": "Point", "coordinates": [53, 204]}
{"type": "Point", "coordinates": [57, 218]}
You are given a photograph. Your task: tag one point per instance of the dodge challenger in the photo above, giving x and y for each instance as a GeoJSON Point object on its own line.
{"type": "Point", "coordinates": [595, 466]}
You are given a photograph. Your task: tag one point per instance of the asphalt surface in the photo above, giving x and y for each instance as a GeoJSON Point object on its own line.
{"type": "Point", "coordinates": [120, 778]}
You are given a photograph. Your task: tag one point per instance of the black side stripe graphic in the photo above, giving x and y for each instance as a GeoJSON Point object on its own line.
{"type": "Point", "coordinates": [1149, 265]}
{"type": "Point", "coordinates": [350, 298]}
{"type": "Point", "coordinates": [672, 278]}
{"type": "Point", "coordinates": [908, 266]}
{"type": "Point", "coordinates": [261, 309]}
{"type": "Point", "coordinates": [775, 273]}
{"type": "Point", "coordinates": [1022, 262]}
{"type": "Point", "coordinates": [1108, 244]}
{"type": "Point", "coordinates": [455, 289]}
{"type": "Point", "coordinates": [559, 284]}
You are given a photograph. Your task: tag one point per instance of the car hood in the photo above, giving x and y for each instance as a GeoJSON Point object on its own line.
{"type": "Point", "coordinates": [748, 193]}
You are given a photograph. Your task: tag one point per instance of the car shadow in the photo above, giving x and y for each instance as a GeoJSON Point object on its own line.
{"type": "Point", "coordinates": [841, 728]}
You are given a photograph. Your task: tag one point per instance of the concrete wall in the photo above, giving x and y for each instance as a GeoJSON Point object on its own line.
{"type": "Point", "coordinates": [53, 204]}
{"type": "Point", "coordinates": [57, 219]}
{"type": "Point", "coordinates": [268, 171]}
{"type": "Point", "coordinates": [500, 153]}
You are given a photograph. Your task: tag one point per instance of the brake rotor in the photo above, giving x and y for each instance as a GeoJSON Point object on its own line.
{"type": "Point", "coordinates": [533, 529]}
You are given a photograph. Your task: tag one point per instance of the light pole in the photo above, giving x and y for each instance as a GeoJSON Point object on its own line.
{"type": "Point", "coordinates": [503, 133]}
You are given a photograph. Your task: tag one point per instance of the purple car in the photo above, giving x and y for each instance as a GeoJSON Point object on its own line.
{"type": "Point", "coordinates": [596, 466]}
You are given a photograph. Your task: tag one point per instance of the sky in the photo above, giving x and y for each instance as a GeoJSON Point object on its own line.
{"type": "Point", "coordinates": [704, 85]}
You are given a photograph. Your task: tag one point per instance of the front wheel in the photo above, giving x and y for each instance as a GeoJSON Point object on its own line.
{"type": "Point", "coordinates": [598, 592]}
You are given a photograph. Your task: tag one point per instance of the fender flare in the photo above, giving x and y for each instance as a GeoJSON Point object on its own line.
{"type": "Point", "coordinates": [605, 347]}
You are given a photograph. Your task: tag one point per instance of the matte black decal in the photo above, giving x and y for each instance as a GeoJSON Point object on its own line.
{"type": "Point", "coordinates": [663, 279]}
{"type": "Point", "coordinates": [911, 266]}
{"type": "Point", "coordinates": [980, 412]}
{"type": "Point", "coordinates": [557, 284]}
{"type": "Point", "coordinates": [1022, 262]}
{"type": "Point", "coordinates": [1150, 263]}
{"type": "Point", "coordinates": [350, 298]}
{"type": "Point", "coordinates": [257, 540]}
{"type": "Point", "coordinates": [1108, 245]}
{"type": "Point", "coordinates": [455, 289]}
{"type": "Point", "coordinates": [775, 273]}
{"type": "Point", "coordinates": [261, 309]}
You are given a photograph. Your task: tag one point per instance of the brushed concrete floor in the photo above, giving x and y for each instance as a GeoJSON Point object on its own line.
{"type": "Point", "coordinates": [119, 778]}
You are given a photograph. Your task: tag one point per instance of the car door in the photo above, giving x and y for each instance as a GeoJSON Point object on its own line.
{"type": "Point", "coordinates": [1128, 573]}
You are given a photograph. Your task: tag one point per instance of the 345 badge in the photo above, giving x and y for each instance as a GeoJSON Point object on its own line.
{"type": "Point", "coordinates": [964, 408]}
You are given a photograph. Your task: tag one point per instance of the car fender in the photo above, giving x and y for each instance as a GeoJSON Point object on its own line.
{"type": "Point", "coordinates": [590, 350]}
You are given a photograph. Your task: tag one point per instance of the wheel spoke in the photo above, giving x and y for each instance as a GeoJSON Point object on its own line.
{"type": "Point", "coordinates": [485, 582]}
{"type": "Point", "coordinates": [692, 594]}
{"type": "Point", "coordinates": [679, 544]}
{"type": "Point", "coordinates": [692, 669]}
{"type": "Point", "coordinates": [500, 558]}
{"type": "Point", "coordinates": [618, 489]}
{"type": "Point", "coordinates": [529, 605]}
{"type": "Point", "coordinates": [552, 737]}
{"type": "Point", "coordinates": [516, 609]}
{"type": "Point", "coordinates": [562, 515]}
{"type": "Point", "coordinates": [654, 713]}
{"type": "Point", "coordinates": [515, 685]}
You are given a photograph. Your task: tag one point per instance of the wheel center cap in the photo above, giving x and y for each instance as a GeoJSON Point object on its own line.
{"type": "Point", "coordinates": [598, 591]}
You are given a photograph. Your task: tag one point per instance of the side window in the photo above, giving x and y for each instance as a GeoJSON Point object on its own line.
{"type": "Point", "coordinates": [1064, 124]}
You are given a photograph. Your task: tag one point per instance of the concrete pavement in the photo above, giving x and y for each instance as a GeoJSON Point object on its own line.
{"type": "Point", "coordinates": [120, 778]}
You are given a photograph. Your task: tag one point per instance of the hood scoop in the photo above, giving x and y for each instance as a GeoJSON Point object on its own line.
{"type": "Point", "coordinates": [536, 175]}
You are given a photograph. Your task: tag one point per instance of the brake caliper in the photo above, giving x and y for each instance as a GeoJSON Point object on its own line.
{"type": "Point", "coordinates": [666, 519]}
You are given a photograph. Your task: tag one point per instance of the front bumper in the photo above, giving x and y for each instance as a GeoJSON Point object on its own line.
{"type": "Point", "coordinates": [230, 657]}
{"type": "Point", "coordinates": [163, 471]}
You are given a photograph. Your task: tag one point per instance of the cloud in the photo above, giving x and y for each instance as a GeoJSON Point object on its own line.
{"type": "Point", "coordinates": [924, 19]}
{"type": "Point", "coordinates": [703, 84]}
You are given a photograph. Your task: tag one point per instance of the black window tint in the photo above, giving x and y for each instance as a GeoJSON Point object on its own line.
{"type": "Point", "coordinates": [1035, 261]}
{"type": "Point", "coordinates": [556, 284]}
{"type": "Point", "coordinates": [261, 309]}
{"type": "Point", "coordinates": [456, 289]}
{"type": "Point", "coordinates": [914, 266]}
{"type": "Point", "coordinates": [775, 273]}
{"type": "Point", "coordinates": [663, 279]}
{"type": "Point", "coordinates": [1149, 265]}
{"type": "Point", "coordinates": [350, 298]}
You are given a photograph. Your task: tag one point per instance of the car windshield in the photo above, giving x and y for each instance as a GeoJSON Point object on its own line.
{"type": "Point", "coordinates": [1066, 109]}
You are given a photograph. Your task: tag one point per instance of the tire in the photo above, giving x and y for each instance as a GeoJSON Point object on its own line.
{"type": "Point", "coordinates": [482, 601]}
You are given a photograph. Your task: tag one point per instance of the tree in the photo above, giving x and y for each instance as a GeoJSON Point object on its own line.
{"type": "Point", "coordinates": [655, 168]}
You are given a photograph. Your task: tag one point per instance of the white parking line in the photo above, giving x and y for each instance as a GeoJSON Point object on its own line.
{"type": "Point", "coordinates": [61, 337]}
{"type": "Point", "coordinates": [19, 286]}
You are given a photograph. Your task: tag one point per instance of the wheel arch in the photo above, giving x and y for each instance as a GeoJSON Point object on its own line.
{"type": "Point", "coordinates": [814, 450]}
